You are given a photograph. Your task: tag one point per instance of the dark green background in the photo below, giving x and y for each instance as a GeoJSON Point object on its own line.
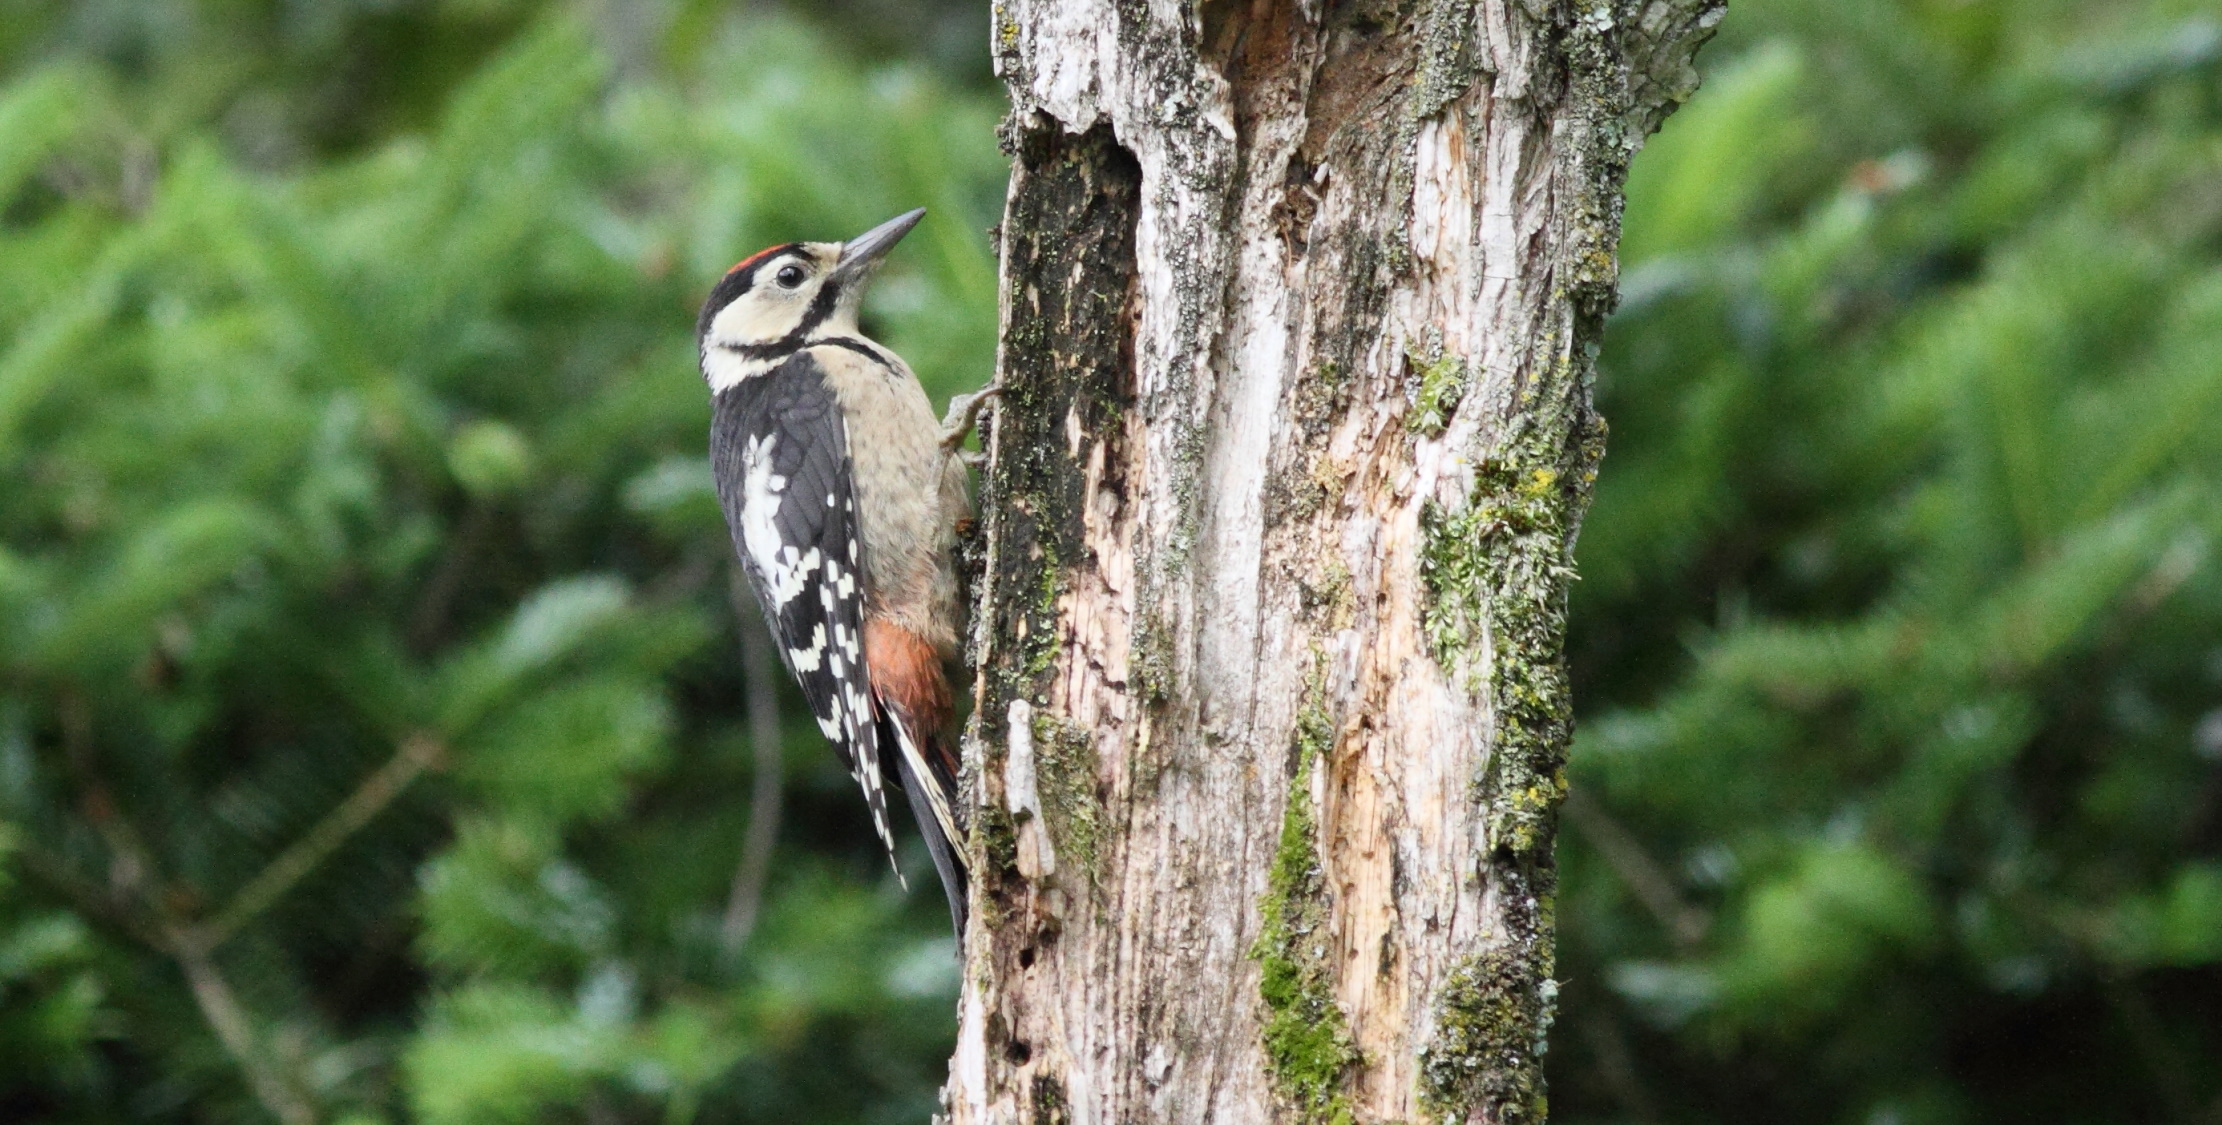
{"type": "Point", "coordinates": [347, 397]}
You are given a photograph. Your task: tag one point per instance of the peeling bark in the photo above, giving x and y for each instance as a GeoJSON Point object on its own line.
{"type": "Point", "coordinates": [1270, 714]}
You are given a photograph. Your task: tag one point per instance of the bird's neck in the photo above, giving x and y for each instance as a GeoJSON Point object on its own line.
{"type": "Point", "coordinates": [725, 366]}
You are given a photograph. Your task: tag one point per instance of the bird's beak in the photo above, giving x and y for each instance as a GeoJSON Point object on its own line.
{"type": "Point", "coordinates": [860, 254]}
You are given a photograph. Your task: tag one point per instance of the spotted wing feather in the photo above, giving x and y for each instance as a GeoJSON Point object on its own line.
{"type": "Point", "coordinates": [779, 455]}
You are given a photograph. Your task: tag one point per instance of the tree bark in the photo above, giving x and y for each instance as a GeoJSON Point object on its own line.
{"type": "Point", "coordinates": [1298, 303]}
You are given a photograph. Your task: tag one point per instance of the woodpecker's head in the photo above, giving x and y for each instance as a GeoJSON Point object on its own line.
{"type": "Point", "coordinates": [788, 296]}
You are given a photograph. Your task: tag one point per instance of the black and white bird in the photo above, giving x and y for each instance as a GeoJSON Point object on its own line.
{"type": "Point", "coordinates": [843, 494]}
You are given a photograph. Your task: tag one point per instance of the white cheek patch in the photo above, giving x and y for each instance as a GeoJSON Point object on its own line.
{"type": "Point", "coordinates": [725, 369]}
{"type": "Point", "coordinates": [766, 312]}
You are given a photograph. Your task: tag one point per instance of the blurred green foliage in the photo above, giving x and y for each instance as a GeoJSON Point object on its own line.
{"type": "Point", "coordinates": [1899, 640]}
{"type": "Point", "coordinates": [351, 449]}
{"type": "Point", "coordinates": [371, 744]}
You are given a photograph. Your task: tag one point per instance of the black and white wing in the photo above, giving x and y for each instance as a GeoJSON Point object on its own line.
{"type": "Point", "coordinates": [780, 455]}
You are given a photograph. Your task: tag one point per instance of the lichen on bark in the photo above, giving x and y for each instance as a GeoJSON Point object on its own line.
{"type": "Point", "coordinates": [1494, 1013]}
{"type": "Point", "coordinates": [1497, 575]}
{"type": "Point", "coordinates": [1065, 765]}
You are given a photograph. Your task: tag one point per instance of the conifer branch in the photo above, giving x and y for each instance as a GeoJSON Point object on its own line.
{"type": "Point", "coordinates": [220, 1007]}
{"type": "Point", "coordinates": [138, 876]}
{"type": "Point", "coordinates": [417, 754]}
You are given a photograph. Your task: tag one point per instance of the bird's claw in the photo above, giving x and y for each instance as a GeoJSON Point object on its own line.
{"type": "Point", "coordinates": [964, 414]}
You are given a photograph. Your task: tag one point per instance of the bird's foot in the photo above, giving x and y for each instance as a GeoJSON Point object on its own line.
{"type": "Point", "coordinates": [964, 413]}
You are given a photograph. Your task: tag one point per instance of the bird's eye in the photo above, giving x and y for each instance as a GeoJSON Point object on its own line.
{"type": "Point", "coordinates": [789, 276]}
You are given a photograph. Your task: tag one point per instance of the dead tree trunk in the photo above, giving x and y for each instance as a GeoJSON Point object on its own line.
{"type": "Point", "coordinates": [1298, 301]}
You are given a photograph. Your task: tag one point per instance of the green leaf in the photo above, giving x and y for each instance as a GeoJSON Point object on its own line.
{"type": "Point", "coordinates": [183, 553]}
{"type": "Point", "coordinates": [557, 622]}
{"type": "Point", "coordinates": [565, 752]}
{"type": "Point", "coordinates": [503, 1053]}
{"type": "Point", "coordinates": [1811, 934]}
{"type": "Point", "coordinates": [504, 900]}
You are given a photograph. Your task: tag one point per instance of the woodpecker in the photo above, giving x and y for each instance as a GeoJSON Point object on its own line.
{"type": "Point", "coordinates": [843, 493]}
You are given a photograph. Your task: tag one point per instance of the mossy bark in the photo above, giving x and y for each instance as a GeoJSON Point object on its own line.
{"type": "Point", "coordinates": [1298, 302]}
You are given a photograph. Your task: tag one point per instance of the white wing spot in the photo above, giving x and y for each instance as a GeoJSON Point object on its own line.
{"type": "Point", "coordinates": [783, 571]}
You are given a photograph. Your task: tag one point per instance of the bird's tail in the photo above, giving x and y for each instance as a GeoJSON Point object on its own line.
{"type": "Point", "coordinates": [929, 781]}
{"type": "Point", "coordinates": [911, 688]}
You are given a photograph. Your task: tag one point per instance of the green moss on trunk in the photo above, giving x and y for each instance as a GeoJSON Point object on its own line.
{"type": "Point", "coordinates": [1498, 572]}
{"type": "Point", "coordinates": [1501, 569]}
{"type": "Point", "coordinates": [1306, 1036]}
{"type": "Point", "coordinates": [1441, 384]}
{"type": "Point", "coordinates": [1498, 567]}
